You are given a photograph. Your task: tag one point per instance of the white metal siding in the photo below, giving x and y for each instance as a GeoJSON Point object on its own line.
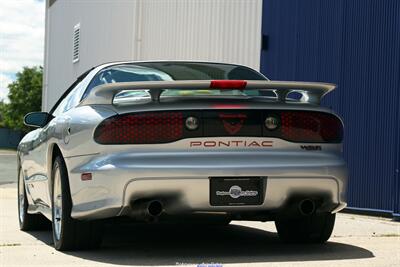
{"type": "Point", "coordinates": [106, 34]}
{"type": "Point", "coordinates": [223, 30]}
{"type": "Point", "coordinates": [214, 30]}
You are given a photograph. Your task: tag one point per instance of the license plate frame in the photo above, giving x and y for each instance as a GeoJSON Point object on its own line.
{"type": "Point", "coordinates": [237, 191]}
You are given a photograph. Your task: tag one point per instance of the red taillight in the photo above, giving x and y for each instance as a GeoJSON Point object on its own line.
{"type": "Point", "coordinates": [311, 127]}
{"type": "Point", "coordinates": [146, 128]}
{"type": "Point", "coordinates": [228, 84]}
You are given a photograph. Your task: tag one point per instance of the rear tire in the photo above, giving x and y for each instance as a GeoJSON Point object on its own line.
{"type": "Point", "coordinates": [28, 222]}
{"type": "Point", "coordinates": [316, 228]}
{"type": "Point", "coordinates": [68, 233]}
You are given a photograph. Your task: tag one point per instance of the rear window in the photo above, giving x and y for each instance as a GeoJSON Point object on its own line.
{"type": "Point", "coordinates": [174, 71]}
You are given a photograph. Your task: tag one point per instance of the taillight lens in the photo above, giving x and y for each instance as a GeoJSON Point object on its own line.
{"type": "Point", "coordinates": [171, 126]}
{"type": "Point", "coordinates": [146, 128]}
{"type": "Point", "coordinates": [311, 127]}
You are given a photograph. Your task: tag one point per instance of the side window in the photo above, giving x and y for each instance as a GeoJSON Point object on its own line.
{"type": "Point", "coordinates": [74, 97]}
{"type": "Point", "coordinates": [71, 100]}
{"type": "Point", "coordinates": [60, 109]}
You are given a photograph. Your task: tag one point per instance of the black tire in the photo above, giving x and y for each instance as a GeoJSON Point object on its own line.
{"type": "Point", "coordinates": [316, 228]}
{"type": "Point", "coordinates": [28, 222]}
{"type": "Point", "coordinates": [73, 234]}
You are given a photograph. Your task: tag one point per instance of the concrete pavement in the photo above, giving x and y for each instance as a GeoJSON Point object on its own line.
{"type": "Point", "coordinates": [356, 241]}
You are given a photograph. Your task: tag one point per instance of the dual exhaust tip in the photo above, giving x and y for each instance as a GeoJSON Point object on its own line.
{"type": "Point", "coordinates": [152, 209]}
{"type": "Point", "coordinates": [155, 208]}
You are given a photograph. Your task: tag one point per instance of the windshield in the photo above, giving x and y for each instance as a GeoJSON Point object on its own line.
{"type": "Point", "coordinates": [170, 71]}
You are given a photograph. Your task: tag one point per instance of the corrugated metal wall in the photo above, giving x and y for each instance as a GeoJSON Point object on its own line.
{"type": "Point", "coordinates": [223, 30]}
{"type": "Point", "coordinates": [355, 44]}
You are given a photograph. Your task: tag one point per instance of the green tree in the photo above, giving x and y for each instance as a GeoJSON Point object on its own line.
{"type": "Point", "coordinates": [25, 95]}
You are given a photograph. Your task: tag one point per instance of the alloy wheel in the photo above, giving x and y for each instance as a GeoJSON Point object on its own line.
{"type": "Point", "coordinates": [21, 198]}
{"type": "Point", "coordinates": [57, 209]}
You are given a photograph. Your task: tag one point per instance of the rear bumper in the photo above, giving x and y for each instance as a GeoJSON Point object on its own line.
{"type": "Point", "coordinates": [182, 180]}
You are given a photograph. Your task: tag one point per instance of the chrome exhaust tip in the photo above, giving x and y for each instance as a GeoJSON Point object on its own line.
{"type": "Point", "coordinates": [307, 207]}
{"type": "Point", "coordinates": [147, 210]}
{"type": "Point", "coordinates": [155, 208]}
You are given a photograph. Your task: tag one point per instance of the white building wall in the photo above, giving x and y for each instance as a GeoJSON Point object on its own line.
{"type": "Point", "coordinates": [215, 30]}
{"type": "Point", "coordinates": [223, 30]}
{"type": "Point", "coordinates": [106, 34]}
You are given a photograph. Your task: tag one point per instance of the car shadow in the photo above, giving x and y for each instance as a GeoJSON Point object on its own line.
{"type": "Point", "coordinates": [127, 244]}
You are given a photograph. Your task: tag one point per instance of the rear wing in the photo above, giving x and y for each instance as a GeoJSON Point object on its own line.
{"type": "Point", "coordinates": [312, 92]}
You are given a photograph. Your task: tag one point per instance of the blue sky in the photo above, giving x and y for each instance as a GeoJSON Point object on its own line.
{"type": "Point", "coordinates": [21, 38]}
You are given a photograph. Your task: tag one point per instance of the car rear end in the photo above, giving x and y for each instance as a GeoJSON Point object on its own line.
{"type": "Point", "coordinates": [246, 159]}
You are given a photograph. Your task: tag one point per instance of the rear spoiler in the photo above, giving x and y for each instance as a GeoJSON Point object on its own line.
{"type": "Point", "coordinates": [312, 92]}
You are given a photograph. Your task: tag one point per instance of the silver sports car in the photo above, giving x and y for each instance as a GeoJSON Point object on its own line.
{"type": "Point", "coordinates": [184, 142]}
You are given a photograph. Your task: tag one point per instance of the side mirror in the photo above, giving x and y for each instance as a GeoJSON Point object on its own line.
{"type": "Point", "coordinates": [37, 119]}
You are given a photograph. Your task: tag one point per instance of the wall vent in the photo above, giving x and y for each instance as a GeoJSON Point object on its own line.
{"type": "Point", "coordinates": [76, 39]}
